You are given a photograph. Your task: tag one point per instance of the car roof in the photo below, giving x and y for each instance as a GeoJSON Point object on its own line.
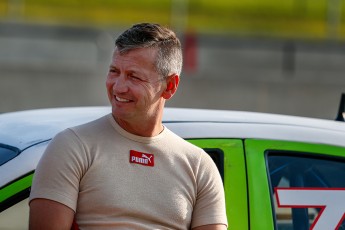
{"type": "Point", "coordinates": [25, 128]}
{"type": "Point", "coordinates": [196, 123]}
{"type": "Point", "coordinates": [225, 116]}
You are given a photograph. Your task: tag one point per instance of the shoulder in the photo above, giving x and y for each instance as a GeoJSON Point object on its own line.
{"type": "Point", "coordinates": [87, 132]}
{"type": "Point", "coordinates": [79, 136]}
{"type": "Point", "coordinates": [179, 142]}
{"type": "Point", "coordinates": [92, 126]}
{"type": "Point", "coordinates": [185, 149]}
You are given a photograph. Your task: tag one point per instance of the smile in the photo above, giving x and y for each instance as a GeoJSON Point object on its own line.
{"type": "Point", "coordinates": [121, 99]}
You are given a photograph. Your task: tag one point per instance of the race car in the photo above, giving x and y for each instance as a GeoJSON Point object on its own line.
{"type": "Point", "coordinates": [279, 172]}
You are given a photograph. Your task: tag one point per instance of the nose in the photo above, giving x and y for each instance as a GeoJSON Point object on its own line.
{"type": "Point", "coordinates": [120, 85]}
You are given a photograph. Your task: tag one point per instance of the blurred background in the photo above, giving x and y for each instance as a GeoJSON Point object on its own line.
{"type": "Point", "coordinates": [285, 57]}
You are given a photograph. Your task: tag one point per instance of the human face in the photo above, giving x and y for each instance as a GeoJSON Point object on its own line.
{"type": "Point", "coordinates": [135, 87]}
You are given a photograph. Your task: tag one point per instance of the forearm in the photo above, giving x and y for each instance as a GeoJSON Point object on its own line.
{"type": "Point", "coordinates": [211, 227]}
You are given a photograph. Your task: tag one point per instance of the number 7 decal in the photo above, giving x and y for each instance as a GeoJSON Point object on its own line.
{"type": "Point", "coordinates": [331, 201]}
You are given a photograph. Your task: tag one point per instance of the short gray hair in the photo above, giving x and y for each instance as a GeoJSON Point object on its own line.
{"type": "Point", "coordinates": [148, 35]}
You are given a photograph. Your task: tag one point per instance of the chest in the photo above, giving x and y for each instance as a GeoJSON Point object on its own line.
{"type": "Point", "coordinates": [122, 186]}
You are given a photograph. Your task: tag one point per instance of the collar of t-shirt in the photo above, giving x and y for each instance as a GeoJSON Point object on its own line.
{"type": "Point", "coordinates": [133, 137]}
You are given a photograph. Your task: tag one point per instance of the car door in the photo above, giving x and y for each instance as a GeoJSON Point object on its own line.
{"type": "Point", "coordinates": [228, 155]}
{"type": "Point", "coordinates": [14, 209]}
{"type": "Point", "coordinates": [294, 185]}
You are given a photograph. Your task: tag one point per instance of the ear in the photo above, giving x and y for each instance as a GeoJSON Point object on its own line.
{"type": "Point", "coordinates": [171, 86]}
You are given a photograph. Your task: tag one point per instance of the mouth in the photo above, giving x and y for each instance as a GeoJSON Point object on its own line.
{"type": "Point", "coordinates": [119, 99]}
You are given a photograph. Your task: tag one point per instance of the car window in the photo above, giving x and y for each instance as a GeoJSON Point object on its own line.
{"type": "Point", "coordinates": [7, 153]}
{"type": "Point", "coordinates": [307, 190]}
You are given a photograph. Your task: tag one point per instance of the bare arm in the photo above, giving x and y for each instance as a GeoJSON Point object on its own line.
{"type": "Point", "coordinates": [211, 227]}
{"type": "Point", "coordinates": [49, 215]}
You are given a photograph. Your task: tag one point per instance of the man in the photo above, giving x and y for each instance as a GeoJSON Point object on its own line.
{"type": "Point", "coordinates": [126, 170]}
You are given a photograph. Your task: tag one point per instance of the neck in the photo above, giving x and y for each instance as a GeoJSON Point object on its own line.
{"type": "Point", "coordinates": [142, 128]}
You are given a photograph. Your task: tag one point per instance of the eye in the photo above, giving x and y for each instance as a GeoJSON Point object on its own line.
{"type": "Point", "coordinates": [135, 78]}
{"type": "Point", "coordinates": [114, 71]}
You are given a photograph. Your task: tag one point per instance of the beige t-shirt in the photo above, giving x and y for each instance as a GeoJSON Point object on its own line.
{"type": "Point", "coordinates": [114, 179]}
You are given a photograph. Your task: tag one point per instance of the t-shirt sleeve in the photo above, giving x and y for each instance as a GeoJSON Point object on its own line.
{"type": "Point", "coordinates": [210, 202]}
{"type": "Point", "coordinates": [60, 170]}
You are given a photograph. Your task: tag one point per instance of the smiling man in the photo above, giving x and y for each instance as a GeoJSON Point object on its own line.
{"type": "Point", "coordinates": [126, 170]}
